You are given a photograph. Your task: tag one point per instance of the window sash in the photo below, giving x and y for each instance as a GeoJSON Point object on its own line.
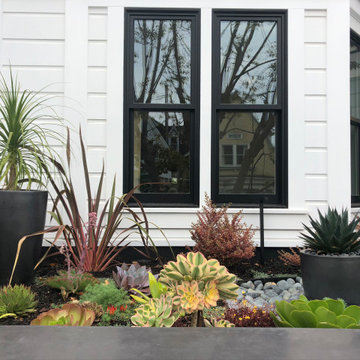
{"type": "Point", "coordinates": [130, 106]}
{"type": "Point", "coordinates": [279, 199]}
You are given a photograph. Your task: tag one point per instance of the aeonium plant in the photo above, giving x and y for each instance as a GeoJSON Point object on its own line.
{"type": "Point", "coordinates": [25, 153]}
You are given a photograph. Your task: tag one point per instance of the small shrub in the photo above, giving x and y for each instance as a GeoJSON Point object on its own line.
{"type": "Point", "coordinates": [217, 236]}
{"type": "Point", "coordinates": [17, 299]}
{"type": "Point", "coordinates": [105, 294]}
{"type": "Point", "coordinates": [291, 258]}
{"type": "Point", "coordinates": [245, 315]}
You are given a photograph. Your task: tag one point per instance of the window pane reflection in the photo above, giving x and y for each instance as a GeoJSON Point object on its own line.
{"type": "Point", "coordinates": [247, 152]}
{"type": "Point", "coordinates": [162, 61]}
{"type": "Point", "coordinates": [248, 60]}
{"type": "Point", "coordinates": [162, 151]}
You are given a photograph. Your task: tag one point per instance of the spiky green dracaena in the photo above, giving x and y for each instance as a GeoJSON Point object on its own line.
{"type": "Point", "coordinates": [196, 267]}
{"type": "Point", "coordinates": [326, 313]}
{"type": "Point", "coordinates": [155, 313]}
{"type": "Point", "coordinates": [17, 299]}
{"type": "Point", "coordinates": [332, 233]}
{"type": "Point", "coordinates": [67, 315]}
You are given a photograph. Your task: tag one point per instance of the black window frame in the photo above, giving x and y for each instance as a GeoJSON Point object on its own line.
{"type": "Point", "coordinates": [280, 199]}
{"type": "Point", "coordinates": [162, 199]}
{"type": "Point", "coordinates": [355, 199]}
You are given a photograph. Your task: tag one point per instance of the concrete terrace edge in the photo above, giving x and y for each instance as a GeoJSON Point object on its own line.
{"type": "Point", "coordinates": [109, 343]}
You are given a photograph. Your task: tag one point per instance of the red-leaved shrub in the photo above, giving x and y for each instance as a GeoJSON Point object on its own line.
{"type": "Point", "coordinates": [290, 258]}
{"type": "Point", "coordinates": [218, 236]}
{"type": "Point", "coordinates": [245, 315]}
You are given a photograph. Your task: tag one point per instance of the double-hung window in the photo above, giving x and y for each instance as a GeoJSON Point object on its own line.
{"type": "Point", "coordinates": [161, 105]}
{"type": "Point", "coordinates": [355, 117]}
{"type": "Point", "coordinates": [249, 107]}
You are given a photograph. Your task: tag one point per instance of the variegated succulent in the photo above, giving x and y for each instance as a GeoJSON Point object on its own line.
{"type": "Point", "coordinates": [222, 323]}
{"type": "Point", "coordinates": [157, 312]}
{"type": "Point", "coordinates": [211, 276]}
{"type": "Point", "coordinates": [67, 315]}
{"type": "Point", "coordinates": [132, 277]}
{"type": "Point", "coordinates": [188, 297]}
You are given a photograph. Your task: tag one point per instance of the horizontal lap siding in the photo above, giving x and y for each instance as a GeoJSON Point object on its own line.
{"type": "Point", "coordinates": [33, 41]}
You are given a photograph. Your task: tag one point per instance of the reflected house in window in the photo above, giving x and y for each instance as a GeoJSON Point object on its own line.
{"type": "Point", "coordinates": [235, 135]}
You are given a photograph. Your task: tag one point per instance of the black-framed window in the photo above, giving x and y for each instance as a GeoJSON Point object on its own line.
{"type": "Point", "coordinates": [249, 107]}
{"type": "Point", "coordinates": [161, 105]}
{"type": "Point", "coordinates": [355, 117]}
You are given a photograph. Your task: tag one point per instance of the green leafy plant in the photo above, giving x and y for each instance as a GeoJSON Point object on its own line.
{"type": "Point", "coordinates": [17, 299]}
{"type": "Point", "coordinates": [332, 233]}
{"type": "Point", "coordinates": [117, 315]}
{"type": "Point", "coordinates": [132, 277]}
{"type": "Point", "coordinates": [157, 312]}
{"type": "Point", "coordinates": [25, 152]}
{"type": "Point", "coordinates": [326, 313]}
{"type": "Point", "coordinates": [71, 282]}
{"type": "Point", "coordinates": [106, 294]}
{"type": "Point", "coordinates": [95, 242]}
{"type": "Point", "coordinates": [220, 237]}
{"type": "Point", "coordinates": [67, 315]}
{"type": "Point", "coordinates": [156, 290]}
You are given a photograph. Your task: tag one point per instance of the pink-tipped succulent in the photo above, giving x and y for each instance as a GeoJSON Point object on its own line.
{"type": "Point", "coordinates": [67, 315]}
{"type": "Point", "coordinates": [132, 277]}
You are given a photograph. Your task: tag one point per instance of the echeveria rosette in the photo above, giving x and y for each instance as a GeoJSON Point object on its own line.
{"type": "Point", "coordinates": [326, 313]}
{"type": "Point", "coordinates": [67, 315]}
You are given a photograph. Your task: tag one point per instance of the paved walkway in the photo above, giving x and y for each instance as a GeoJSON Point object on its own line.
{"type": "Point", "coordinates": [106, 343]}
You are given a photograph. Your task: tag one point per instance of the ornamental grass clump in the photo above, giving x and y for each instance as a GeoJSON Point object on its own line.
{"type": "Point", "coordinates": [17, 300]}
{"type": "Point", "coordinates": [326, 313]}
{"type": "Point", "coordinates": [220, 237]}
{"type": "Point", "coordinates": [332, 233]}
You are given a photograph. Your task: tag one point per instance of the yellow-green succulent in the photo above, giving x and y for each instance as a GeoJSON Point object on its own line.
{"type": "Point", "coordinates": [188, 297]}
{"type": "Point", "coordinates": [195, 267]}
{"type": "Point", "coordinates": [157, 312]}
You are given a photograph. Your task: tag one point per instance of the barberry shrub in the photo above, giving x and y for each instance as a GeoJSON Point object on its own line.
{"type": "Point", "coordinates": [290, 258]}
{"type": "Point", "coordinates": [217, 235]}
{"type": "Point", "coordinates": [245, 315]}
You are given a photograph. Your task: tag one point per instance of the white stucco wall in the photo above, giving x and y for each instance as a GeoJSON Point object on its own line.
{"type": "Point", "coordinates": [78, 46]}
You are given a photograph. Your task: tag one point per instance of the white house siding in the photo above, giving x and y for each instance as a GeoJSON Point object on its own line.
{"type": "Point", "coordinates": [78, 44]}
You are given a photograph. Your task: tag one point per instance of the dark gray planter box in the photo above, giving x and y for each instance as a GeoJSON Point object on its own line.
{"type": "Point", "coordinates": [331, 276]}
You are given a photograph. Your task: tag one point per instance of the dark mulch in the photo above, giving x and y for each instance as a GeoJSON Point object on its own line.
{"type": "Point", "coordinates": [48, 297]}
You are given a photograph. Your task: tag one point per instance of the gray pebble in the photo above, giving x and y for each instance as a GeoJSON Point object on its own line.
{"type": "Point", "coordinates": [290, 281]}
{"type": "Point", "coordinates": [278, 290]}
{"type": "Point", "coordinates": [273, 299]}
{"type": "Point", "coordinates": [254, 293]}
{"type": "Point", "coordinates": [259, 287]}
{"type": "Point", "coordinates": [249, 299]}
{"type": "Point", "coordinates": [283, 285]}
{"type": "Point", "coordinates": [269, 285]}
{"type": "Point", "coordinates": [270, 293]}
{"type": "Point", "coordinates": [257, 283]}
{"type": "Point", "coordinates": [299, 279]}
{"type": "Point", "coordinates": [248, 285]}
{"type": "Point", "coordinates": [285, 295]}
{"type": "Point", "coordinates": [297, 286]}
{"type": "Point", "coordinates": [293, 291]}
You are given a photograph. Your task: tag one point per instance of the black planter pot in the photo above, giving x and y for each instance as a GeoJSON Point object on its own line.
{"type": "Point", "coordinates": [21, 213]}
{"type": "Point", "coordinates": [331, 276]}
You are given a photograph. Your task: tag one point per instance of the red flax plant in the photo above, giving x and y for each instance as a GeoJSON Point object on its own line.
{"type": "Point", "coordinates": [93, 243]}
{"type": "Point", "coordinates": [218, 236]}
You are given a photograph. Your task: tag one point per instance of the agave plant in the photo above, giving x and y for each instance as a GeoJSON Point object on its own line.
{"type": "Point", "coordinates": [332, 233]}
{"type": "Point", "coordinates": [326, 313]}
{"type": "Point", "coordinates": [67, 315]}
{"type": "Point", "coordinates": [131, 277]}
{"type": "Point", "coordinates": [24, 143]}
{"type": "Point", "coordinates": [156, 313]}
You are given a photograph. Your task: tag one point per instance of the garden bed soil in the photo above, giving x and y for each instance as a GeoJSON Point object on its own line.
{"type": "Point", "coordinates": [48, 297]}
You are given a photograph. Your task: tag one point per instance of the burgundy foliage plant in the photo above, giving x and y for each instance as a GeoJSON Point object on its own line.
{"type": "Point", "coordinates": [220, 236]}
